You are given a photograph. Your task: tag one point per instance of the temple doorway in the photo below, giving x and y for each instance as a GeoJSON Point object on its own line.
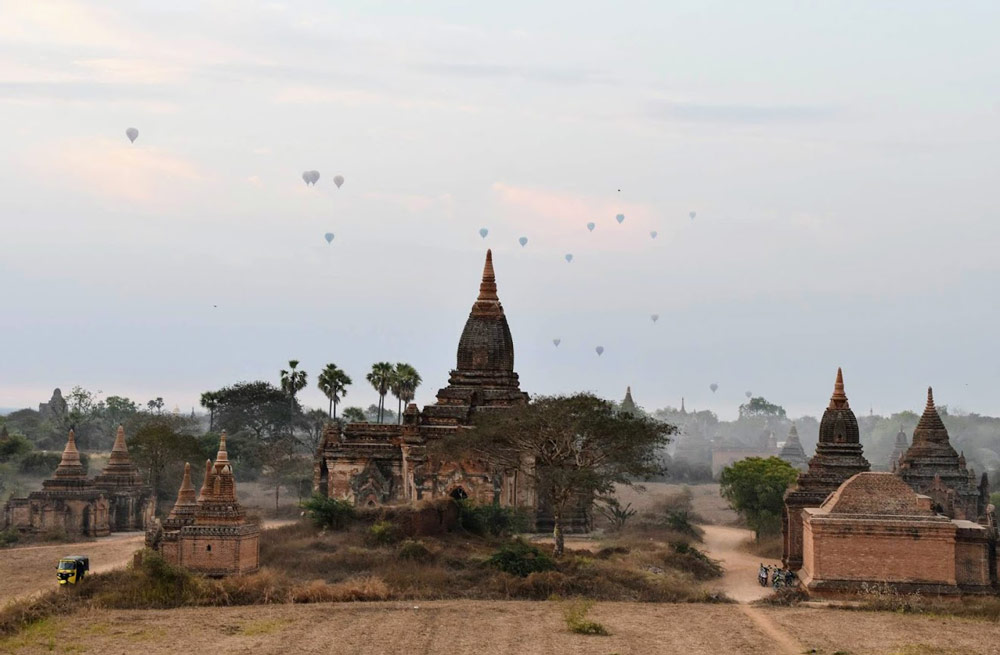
{"type": "Point", "coordinates": [458, 493]}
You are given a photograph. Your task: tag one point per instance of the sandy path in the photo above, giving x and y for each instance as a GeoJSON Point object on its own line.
{"type": "Point", "coordinates": [740, 580]}
{"type": "Point", "coordinates": [32, 569]}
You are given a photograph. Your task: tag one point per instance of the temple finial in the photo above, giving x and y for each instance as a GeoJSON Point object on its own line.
{"type": "Point", "coordinates": [119, 446]}
{"type": "Point", "coordinates": [206, 486]}
{"type": "Point", "coordinates": [488, 287]}
{"type": "Point", "coordinates": [839, 399]}
{"type": "Point", "coordinates": [930, 399]}
{"type": "Point", "coordinates": [222, 457]}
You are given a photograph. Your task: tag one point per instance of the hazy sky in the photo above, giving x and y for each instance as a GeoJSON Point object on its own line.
{"type": "Point", "coordinates": [842, 158]}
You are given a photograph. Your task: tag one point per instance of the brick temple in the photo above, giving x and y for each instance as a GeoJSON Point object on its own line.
{"type": "Point", "coordinates": [925, 527]}
{"type": "Point", "coordinates": [68, 503]}
{"type": "Point", "coordinates": [130, 500]}
{"type": "Point", "coordinates": [209, 533]}
{"type": "Point", "coordinates": [371, 465]}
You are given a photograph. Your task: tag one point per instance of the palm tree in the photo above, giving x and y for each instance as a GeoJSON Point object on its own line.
{"type": "Point", "coordinates": [405, 381]}
{"type": "Point", "coordinates": [333, 383]}
{"type": "Point", "coordinates": [380, 378]}
{"type": "Point", "coordinates": [292, 382]}
{"type": "Point", "coordinates": [210, 401]}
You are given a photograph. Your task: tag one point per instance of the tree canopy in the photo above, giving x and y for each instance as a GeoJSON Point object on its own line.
{"type": "Point", "coordinates": [573, 447]}
{"type": "Point", "coordinates": [755, 487]}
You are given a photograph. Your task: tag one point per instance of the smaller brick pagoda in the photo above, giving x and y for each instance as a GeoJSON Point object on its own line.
{"type": "Point", "coordinates": [68, 501]}
{"type": "Point", "coordinates": [130, 500]}
{"type": "Point", "coordinates": [931, 466]}
{"type": "Point", "coordinates": [210, 534]}
{"type": "Point", "coordinates": [898, 449]}
{"type": "Point", "coordinates": [792, 452]}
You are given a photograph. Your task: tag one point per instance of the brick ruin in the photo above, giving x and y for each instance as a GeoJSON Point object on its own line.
{"type": "Point", "coordinates": [927, 526]}
{"type": "Point", "coordinates": [130, 500]}
{"type": "Point", "coordinates": [69, 502]}
{"type": "Point", "coordinates": [792, 452]}
{"type": "Point", "coordinates": [371, 465]}
{"type": "Point", "coordinates": [209, 533]}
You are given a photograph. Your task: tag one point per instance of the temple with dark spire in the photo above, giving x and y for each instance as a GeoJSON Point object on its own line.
{"type": "Point", "coordinates": [792, 451]}
{"type": "Point", "coordinates": [932, 467]}
{"type": "Point", "coordinates": [68, 502]}
{"type": "Point", "coordinates": [839, 455]}
{"type": "Point", "coordinates": [628, 405]}
{"type": "Point", "coordinates": [898, 449]}
{"type": "Point", "coordinates": [374, 464]}
{"type": "Point", "coordinates": [209, 533]}
{"type": "Point", "coordinates": [131, 503]}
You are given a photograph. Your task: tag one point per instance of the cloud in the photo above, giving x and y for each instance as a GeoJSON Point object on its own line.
{"type": "Point", "coordinates": [561, 76]}
{"type": "Point", "coordinates": [115, 169]}
{"type": "Point", "coordinates": [739, 114]}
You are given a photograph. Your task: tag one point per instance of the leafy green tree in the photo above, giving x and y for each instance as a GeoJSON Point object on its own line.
{"type": "Point", "coordinates": [404, 383]}
{"type": "Point", "coordinates": [755, 487]}
{"type": "Point", "coordinates": [380, 378]}
{"type": "Point", "coordinates": [333, 382]}
{"type": "Point", "coordinates": [315, 421]}
{"type": "Point", "coordinates": [758, 406]}
{"type": "Point", "coordinates": [118, 410]}
{"type": "Point", "coordinates": [159, 449]}
{"type": "Point", "coordinates": [13, 446]}
{"type": "Point", "coordinates": [573, 447]}
{"type": "Point", "coordinates": [292, 382]}
{"type": "Point", "coordinates": [258, 408]}
{"type": "Point", "coordinates": [155, 405]}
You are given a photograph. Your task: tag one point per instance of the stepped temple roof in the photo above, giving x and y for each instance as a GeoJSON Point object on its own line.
{"type": "Point", "coordinates": [120, 471]}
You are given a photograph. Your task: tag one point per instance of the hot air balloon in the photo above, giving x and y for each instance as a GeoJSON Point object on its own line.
{"type": "Point", "coordinates": [314, 177]}
{"type": "Point", "coordinates": [328, 236]}
{"type": "Point", "coordinates": [569, 259]}
{"type": "Point", "coordinates": [556, 342]}
{"type": "Point", "coordinates": [599, 350]}
{"type": "Point", "coordinates": [338, 180]}
{"type": "Point", "coordinates": [591, 226]}
{"type": "Point", "coordinates": [307, 177]}
{"type": "Point", "coordinates": [692, 215]}
{"type": "Point", "coordinates": [714, 387]}
{"type": "Point", "coordinates": [653, 234]}
{"type": "Point", "coordinates": [523, 241]}
{"type": "Point", "coordinates": [132, 134]}
{"type": "Point", "coordinates": [620, 218]}
{"type": "Point", "coordinates": [483, 232]}
{"type": "Point", "coordinates": [748, 393]}
{"type": "Point", "coordinates": [655, 317]}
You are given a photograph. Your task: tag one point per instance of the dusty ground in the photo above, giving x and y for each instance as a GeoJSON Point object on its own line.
{"type": "Point", "coordinates": [482, 627]}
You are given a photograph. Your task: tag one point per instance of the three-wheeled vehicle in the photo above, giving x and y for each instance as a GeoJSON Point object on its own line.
{"type": "Point", "coordinates": [72, 569]}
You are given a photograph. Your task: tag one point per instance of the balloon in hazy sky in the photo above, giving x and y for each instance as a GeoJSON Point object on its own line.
{"type": "Point", "coordinates": [714, 387]}
{"type": "Point", "coordinates": [569, 258]}
{"type": "Point", "coordinates": [653, 234]}
{"type": "Point", "coordinates": [600, 350]}
{"type": "Point", "coordinates": [132, 134]}
{"type": "Point", "coordinates": [483, 232]}
{"type": "Point", "coordinates": [310, 177]}
{"type": "Point", "coordinates": [748, 393]}
{"type": "Point", "coordinates": [620, 218]}
{"type": "Point", "coordinates": [692, 215]}
{"type": "Point", "coordinates": [328, 236]}
{"type": "Point", "coordinates": [523, 241]}
{"type": "Point", "coordinates": [338, 180]}
{"type": "Point", "coordinates": [306, 177]}
{"type": "Point", "coordinates": [556, 342]}
{"type": "Point", "coordinates": [655, 317]}
{"type": "Point", "coordinates": [591, 226]}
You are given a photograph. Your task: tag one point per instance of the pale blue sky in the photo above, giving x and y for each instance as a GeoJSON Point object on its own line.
{"type": "Point", "coordinates": [841, 157]}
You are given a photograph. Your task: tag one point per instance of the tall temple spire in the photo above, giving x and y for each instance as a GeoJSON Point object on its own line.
{"type": "Point", "coordinates": [206, 486]}
{"type": "Point", "coordinates": [186, 501]}
{"type": "Point", "coordinates": [222, 457]}
{"type": "Point", "coordinates": [119, 446]}
{"type": "Point", "coordinates": [488, 287]}
{"type": "Point", "coordinates": [839, 399]}
{"type": "Point", "coordinates": [70, 465]}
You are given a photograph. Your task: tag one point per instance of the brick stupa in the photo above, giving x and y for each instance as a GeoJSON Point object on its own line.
{"type": "Point", "coordinates": [931, 466]}
{"type": "Point", "coordinates": [68, 502]}
{"type": "Point", "coordinates": [839, 455]}
{"type": "Point", "coordinates": [792, 452]}
{"type": "Point", "coordinates": [211, 534]}
{"type": "Point", "coordinates": [130, 500]}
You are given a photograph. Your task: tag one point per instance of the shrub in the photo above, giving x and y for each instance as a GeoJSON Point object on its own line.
{"type": "Point", "coordinates": [39, 463]}
{"type": "Point", "coordinates": [688, 558]}
{"type": "Point", "coordinates": [8, 537]}
{"type": "Point", "coordinates": [491, 519]}
{"type": "Point", "coordinates": [355, 589]}
{"type": "Point", "coordinates": [577, 621]}
{"type": "Point", "coordinates": [383, 533]}
{"type": "Point", "coordinates": [414, 550]}
{"type": "Point", "coordinates": [329, 513]}
{"type": "Point", "coordinates": [521, 558]}
{"type": "Point", "coordinates": [681, 521]}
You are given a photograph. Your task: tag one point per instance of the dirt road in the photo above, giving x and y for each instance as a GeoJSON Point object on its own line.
{"type": "Point", "coordinates": [31, 569]}
{"type": "Point", "coordinates": [740, 580]}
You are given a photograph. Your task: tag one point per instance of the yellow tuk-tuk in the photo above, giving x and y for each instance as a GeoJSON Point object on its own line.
{"type": "Point", "coordinates": [72, 569]}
